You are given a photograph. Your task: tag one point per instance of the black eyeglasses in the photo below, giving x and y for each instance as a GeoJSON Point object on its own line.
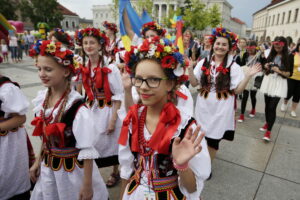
{"type": "Point", "coordinates": [151, 82]}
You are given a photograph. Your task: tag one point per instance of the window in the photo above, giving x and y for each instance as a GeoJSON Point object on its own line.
{"type": "Point", "coordinates": [278, 16]}
{"type": "Point", "coordinates": [96, 15]}
{"type": "Point", "coordinates": [289, 17]}
{"type": "Point", "coordinates": [67, 24]}
{"type": "Point", "coordinates": [296, 15]}
{"type": "Point", "coordinates": [269, 24]}
{"type": "Point", "coordinates": [273, 20]}
{"type": "Point", "coordinates": [283, 15]}
{"type": "Point", "coordinates": [73, 24]}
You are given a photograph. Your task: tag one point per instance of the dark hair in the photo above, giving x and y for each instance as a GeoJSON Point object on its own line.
{"type": "Point", "coordinates": [297, 48]}
{"type": "Point", "coordinates": [222, 79]}
{"type": "Point", "coordinates": [61, 38]}
{"type": "Point", "coordinates": [285, 53]}
{"type": "Point", "coordinates": [252, 43]}
{"type": "Point", "coordinates": [289, 40]}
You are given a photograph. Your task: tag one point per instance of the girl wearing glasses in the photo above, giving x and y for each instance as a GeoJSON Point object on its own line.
{"type": "Point", "coordinates": [161, 153]}
{"type": "Point", "coordinates": [104, 92]}
{"type": "Point", "coordinates": [220, 78]}
{"type": "Point", "coordinates": [278, 67]}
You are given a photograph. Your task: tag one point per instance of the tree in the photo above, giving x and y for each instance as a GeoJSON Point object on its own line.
{"type": "Point", "coordinates": [8, 8]}
{"type": "Point", "coordinates": [196, 16]}
{"type": "Point", "coordinates": [214, 16]}
{"type": "Point", "coordinates": [41, 11]}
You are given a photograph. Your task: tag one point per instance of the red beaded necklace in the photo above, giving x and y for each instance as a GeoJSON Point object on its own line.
{"type": "Point", "coordinates": [48, 119]}
{"type": "Point", "coordinates": [145, 150]}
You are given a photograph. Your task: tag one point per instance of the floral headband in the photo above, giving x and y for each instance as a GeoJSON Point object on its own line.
{"type": "Point", "coordinates": [64, 34]}
{"type": "Point", "coordinates": [280, 43]}
{"type": "Point", "coordinates": [110, 26]}
{"type": "Point", "coordinates": [94, 32]}
{"type": "Point", "coordinates": [252, 47]}
{"type": "Point", "coordinates": [223, 32]}
{"type": "Point", "coordinates": [159, 49]}
{"type": "Point", "coordinates": [61, 54]}
{"type": "Point", "coordinates": [155, 27]}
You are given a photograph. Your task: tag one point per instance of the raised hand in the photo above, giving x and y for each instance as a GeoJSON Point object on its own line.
{"type": "Point", "coordinates": [126, 81]}
{"type": "Point", "coordinates": [185, 149]}
{"type": "Point", "coordinates": [254, 69]}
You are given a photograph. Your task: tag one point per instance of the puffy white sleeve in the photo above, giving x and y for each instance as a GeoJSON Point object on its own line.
{"type": "Point", "coordinates": [200, 164]}
{"type": "Point", "coordinates": [13, 100]}
{"type": "Point", "coordinates": [126, 159]}
{"type": "Point", "coordinates": [84, 132]}
{"type": "Point", "coordinates": [236, 76]}
{"type": "Point", "coordinates": [198, 71]}
{"type": "Point", "coordinates": [115, 83]}
{"type": "Point", "coordinates": [187, 105]}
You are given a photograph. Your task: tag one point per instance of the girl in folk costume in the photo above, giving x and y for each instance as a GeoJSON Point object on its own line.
{"type": "Point", "coordinates": [160, 153]}
{"type": "Point", "coordinates": [115, 48]}
{"type": "Point", "coordinates": [104, 90]}
{"type": "Point", "coordinates": [220, 78]}
{"type": "Point", "coordinates": [184, 100]}
{"type": "Point", "coordinates": [150, 30]}
{"type": "Point", "coordinates": [278, 67]}
{"type": "Point", "coordinates": [251, 57]}
{"type": "Point", "coordinates": [65, 168]}
{"type": "Point", "coordinates": [14, 166]}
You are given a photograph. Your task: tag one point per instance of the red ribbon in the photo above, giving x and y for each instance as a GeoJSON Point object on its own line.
{"type": "Point", "coordinates": [85, 71]}
{"type": "Point", "coordinates": [101, 80]}
{"type": "Point", "coordinates": [57, 130]}
{"type": "Point", "coordinates": [160, 141]}
{"type": "Point", "coordinates": [38, 122]}
{"type": "Point", "coordinates": [181, 95]}
{"type": "Point", "coordinates": [222, 69]}
{"type": "Point", "coordinates": [205, 70]}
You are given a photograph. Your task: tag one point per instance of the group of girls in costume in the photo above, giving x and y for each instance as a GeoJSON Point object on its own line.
{"type": "Point", "coordinates": [163, 151]}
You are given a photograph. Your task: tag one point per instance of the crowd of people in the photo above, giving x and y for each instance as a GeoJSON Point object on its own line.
{"type": "Point", "coordinates": [133, 110]}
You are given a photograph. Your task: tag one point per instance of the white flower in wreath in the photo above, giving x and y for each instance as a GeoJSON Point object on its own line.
{"type": "Point", "coordinates": [58, 59]}
{"type": "Point", "coordinates": [179, 71]}
{"type": "Point", "coordinates": [63, 49]}
{"type": "Point", "coordinates": [66, 62]}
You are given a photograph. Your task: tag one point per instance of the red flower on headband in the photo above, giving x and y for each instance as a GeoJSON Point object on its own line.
{"type": "Point", "coordinates": [168, 62]}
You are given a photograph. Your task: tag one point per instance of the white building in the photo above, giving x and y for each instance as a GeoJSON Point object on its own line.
{"type": "Point", "coordinates": [279, 18]}
{"type": "Point", "coordinates": [161, 9]}
{"type": "Point", "coordinates": [103, 13]}
{"type": "Point", "coordinates": [71, 19]}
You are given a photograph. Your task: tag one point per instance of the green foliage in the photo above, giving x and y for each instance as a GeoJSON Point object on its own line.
{"type": "Point", "coordinates": [144, 5]}
{"type": "Point", "coordinates": [41, 11]}
{"type": "Point", "coordinates": [196, 16]}
{"type": "Point", "coordinates": [7, 9]}
{"type": "Point", "coordinates": [214, 16]}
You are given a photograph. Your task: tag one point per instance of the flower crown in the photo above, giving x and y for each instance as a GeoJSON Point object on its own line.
{"type": "Point", "coordinates": [155, 27]}
{"type": "Point", "coordinates": [160, 49]}
{"type": "Point", "coordinates": [61, 54]}
{"type": "Point", "coordinates": [110, 26]}
{"type": "Point", "coordinates": [94, 32]}
{"type": "Point", "coordinates": [223, 32]}
{"type": "Point", "coordinates": [65, 35]}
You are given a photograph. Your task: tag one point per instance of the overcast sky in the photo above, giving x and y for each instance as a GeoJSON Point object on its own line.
{"type": "Point", "coordinates": [242, 9]}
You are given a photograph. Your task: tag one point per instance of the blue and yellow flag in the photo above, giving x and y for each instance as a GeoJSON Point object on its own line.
{"type": "Point", "coordinates": [179, 39]}
{"type": "Point", "coordinates": [145, 17]}
{"type": "Point", "coordinates": [135, 21]}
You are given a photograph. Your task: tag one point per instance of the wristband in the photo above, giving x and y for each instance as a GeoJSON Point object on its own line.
{"type": "Point", "coordinates": [180, 168]}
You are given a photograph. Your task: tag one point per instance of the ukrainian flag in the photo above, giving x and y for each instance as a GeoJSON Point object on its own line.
{"type": "Point", "coordinates": [145, 17]}
{"type": "Point", "coordinates": [134, 19]}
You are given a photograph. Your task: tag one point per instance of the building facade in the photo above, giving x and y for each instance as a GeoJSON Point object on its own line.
{"type": "Point", "coordinates": [279, 18]}
{"type": "Point", "coordinates": [161, 10]}
{"type": "Point", "coordinates": [71, 19]}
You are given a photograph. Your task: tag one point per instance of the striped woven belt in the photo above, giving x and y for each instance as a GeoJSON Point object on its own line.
{"type": "Point", "coordinates": [165, 184]}
{"type": "Point", "coordinates": [67, 152]}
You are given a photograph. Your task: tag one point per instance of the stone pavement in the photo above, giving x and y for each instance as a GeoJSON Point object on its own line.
{"type": "Point", "coordinates": [245, 169]}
